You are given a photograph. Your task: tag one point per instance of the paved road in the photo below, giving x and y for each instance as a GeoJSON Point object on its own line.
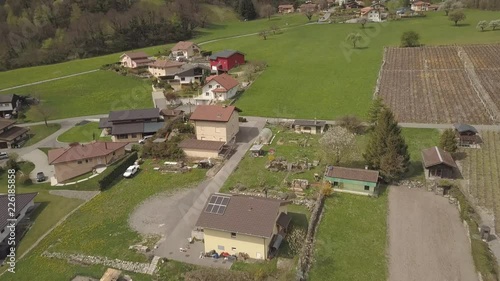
{"type": "Point", "coordinates": [48, 80]}
{"type": "Point", "coordinates": [427, 240]}
{"type": "Point", "coordinates": [188, 208]}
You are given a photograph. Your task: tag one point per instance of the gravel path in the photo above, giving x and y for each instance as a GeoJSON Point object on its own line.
{"type": "Point", "coordinates": [427, 240]}
{"type": "Point", "coordinates": [160, 212]}
{"type": "Point", "coordinates": [75, 194]}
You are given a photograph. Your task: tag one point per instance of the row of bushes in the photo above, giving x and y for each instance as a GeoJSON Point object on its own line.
{"type": "Point", "coordinates": [115, 171]}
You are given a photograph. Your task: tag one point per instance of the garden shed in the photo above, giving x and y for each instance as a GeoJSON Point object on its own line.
{"type": "Point", "coordinates": [355, 181]}
{"type": "Point", "coordinates": [265, 136]}
{"type": "Point", "coordinates": [256, 150]}
{"type": "Point", "coordinates": [466, 135]}
{"type": "Point", "coordinates": [438, 163]}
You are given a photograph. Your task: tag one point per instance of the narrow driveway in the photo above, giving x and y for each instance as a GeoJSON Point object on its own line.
{"type": "Point", "coordinates": [427, 240]}
{"type": "Point", "coordinates": [185, 210]}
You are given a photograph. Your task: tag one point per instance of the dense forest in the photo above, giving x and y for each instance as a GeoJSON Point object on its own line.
{"type": "Point", "coordinates": [483, 4]}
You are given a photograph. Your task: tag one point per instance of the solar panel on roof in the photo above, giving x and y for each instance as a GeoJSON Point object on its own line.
{"type": "Point", "coordinates": [225, 201]}
{"type": "Point", "coordinates": [217, 204]}
{"type": "Point", "coordinates": [221, 210]}
{"type": "Point", "coordinates": [213, 198]}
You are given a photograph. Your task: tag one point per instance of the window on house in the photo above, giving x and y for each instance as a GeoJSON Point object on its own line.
{"type": "Point", "coordinates": [86, 160]}
{"type": "Point", "coordinates": [210, 86]}
{"type": "Point", "coordinates": [233, 234]}
{"type": "Point", "coordinates": [217, 130]}
{"type": "Point", "coordinates": [3, 230]}
{"type": "Point", "coordinates": [220, 247]}
{"type": "Point", "coordinates": [207, 94]}
{"type": "Point", "coordinates": [367, 187]}
{"type": "Point", "coordinates": [335, 183]}
{"type": "Point", "coordinates": [134, 135]}
{"type": "Point", "coordinates": [79, 162]}
{"type": "Point", "coordinates": [218, 86]}
{"type": "Point", "coordinates": [121, 137]}
{"type": "Point", "coordinates": [183, 79]}
{"type": "Point", "coordinates": [114, 153]}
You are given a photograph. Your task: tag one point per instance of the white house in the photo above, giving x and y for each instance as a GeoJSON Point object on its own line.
{"type": "Point", "coordinates": [218, 88]}
{"type": "Point", "coordinates": [185, 49]}
{"type": "Point", "coordinates": [420, 6]}
{"type": "Point", "coordinates": [371, 14]}
{"type": "Point", "coordinates": [24, 201]}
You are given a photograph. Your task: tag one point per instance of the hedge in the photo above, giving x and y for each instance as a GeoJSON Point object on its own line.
{"type": "Point", "coordinates": [112, 173]}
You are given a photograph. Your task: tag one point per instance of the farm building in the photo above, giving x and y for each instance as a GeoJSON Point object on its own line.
{"type": "Point", "coordinates": [286, 9]}
{"type": "Point", "coordinates": [350, 180]}
{"type": "Point", "coordinates": [309, 126]}
{"type": "Point", "coordinates": [438, 163]}
{"type": "Point", "coordinates": [226, 60]}
{"type": "Point", "coordinates": [466, 135]}
{"type": "Point", "coordinates": [244, 224]}
{"type": "Point", "coordinates": [264, 137]}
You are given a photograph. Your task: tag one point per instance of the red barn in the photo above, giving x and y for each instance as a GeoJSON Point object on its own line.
{"type": "Point", "coordinates": [226, 60]}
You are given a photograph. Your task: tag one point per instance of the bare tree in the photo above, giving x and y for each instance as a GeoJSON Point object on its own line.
{"type": "Point", "coordinates": [309, 13]}
{"type": "Point", "coordinates": [267, 10]}
{"type": "Point", "coordinates": [450, 5]}
{"type": "Point", "coordinates": [338, 143]}
{"type": "Point", "coordinates": [362, 21]}
{"type": "Point", "coordinates": [263, 34]}
{"type": "Point", "coordinates": [44, 112]}
{"type": "Point", "coordinates": [354, 38]}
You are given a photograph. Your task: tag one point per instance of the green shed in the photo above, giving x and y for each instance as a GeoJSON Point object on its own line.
{"type": "Point", "coordinates": [350, 180]}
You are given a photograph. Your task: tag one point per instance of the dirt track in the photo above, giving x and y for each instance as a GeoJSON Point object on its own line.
{"type": "Point", "coordinates": [427, 240]}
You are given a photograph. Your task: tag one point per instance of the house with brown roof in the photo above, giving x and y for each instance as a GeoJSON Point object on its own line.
{"type": "Point", "coordinates": [420, 6]}
{"type": "Point", "coordinates": [467, 135]}
{"type": "Point", "coordinates": [215, 126]}
{"type": "Point", "coordinates": [79, 159]}
{"type": "Point", "coordinates": [438, 163]}
{"type": "Point", "coordinates": [250, 225]}
{"type": "Point", "coordinates": [132, 125]}
{"type": "Point", "coordinates": [184, 49]}
{"type": "Point", "coordinates": [308, 7]}
{"type": "Point", "coordinates": [309, 126]}
{"type": "Point", "coordinates": [218, 88]}
{"type": "Point", "coordinates": [286, 9]}
{"type": "Point", "coordinates": [135, 60]}
{"type": "Point", "coordinates": [351, 180]}
{"type": "Point", "coordinates": [10, 135]}
{"type": "Point", "coordinates": [164, 68]}
{"type": "Point", "coordinates": [8, 104]}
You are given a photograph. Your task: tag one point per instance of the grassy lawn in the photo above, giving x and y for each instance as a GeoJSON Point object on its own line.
{"type": "Point", "coordinates": [418, 139]}
{"type": "Point", "coordinates": [313, 73]}
{"type": "Point", "coordinates": [45, 150]}
{"type": "Point", "coordinates": [101, 226]}
{"type": "Point", "coordinates": [83, 133]}
{"type": "Point", "coordinates": [351, 240]}
{"type": "Point", "coordinates": [40, 132]}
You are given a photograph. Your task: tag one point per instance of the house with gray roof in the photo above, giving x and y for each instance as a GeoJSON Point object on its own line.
{"type": "Point", "coordinates": [8, 104]}
{"type": "Point", "coordinates": [251, 225]}
{"type": "Point", "coordinates": [466, 135]}
{"type": "Point", "coordinates": [132, 125]}
{"type": "Point", "coordinates": [226, 60]}
{"type": "Point", "coordinates": [24, 203]}
{"type": "Point", "coordinates": [309, 126]}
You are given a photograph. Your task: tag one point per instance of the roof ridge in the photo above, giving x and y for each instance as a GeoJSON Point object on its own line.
{"type": "Point", "coordinates": [64, 152]}
{"type": "Point", "coordinates": [439, 154]}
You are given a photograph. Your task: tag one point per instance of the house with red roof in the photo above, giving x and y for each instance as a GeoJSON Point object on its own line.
{"type": "Point", "coordinates": [184, 49]}
{"type": "Point", "coordinates": [215, 126]}
{"type": "Point", "coordinates": [420, 6]}
{"type": "Point", "coordinates": [226, 60]}
{"type": "Point", "coordinates": [218, 88]}
{"type": "Point", "coordinates": [286, 9]}
{"type": "Point", "coordinates": [79, 159]}
{"type": "Point", "coordinates": [135, 60]}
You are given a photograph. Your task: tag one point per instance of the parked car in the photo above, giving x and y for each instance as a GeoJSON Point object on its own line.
{"type": "Point", "coordinates": [144, 139]}
{"type": "Point", "coordinates": [40, 176]}
{"type": "Point", "coordinates": [131, 171]}
{"type": "Point", "coordinates": [4, 155]}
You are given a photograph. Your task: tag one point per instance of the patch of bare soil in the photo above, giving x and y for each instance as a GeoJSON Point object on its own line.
{"type": "Point", "coordinates": [427, 240]}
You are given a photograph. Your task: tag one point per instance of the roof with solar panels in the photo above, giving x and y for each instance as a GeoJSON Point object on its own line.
{"type": "Point", "coordinates": [250, 215]}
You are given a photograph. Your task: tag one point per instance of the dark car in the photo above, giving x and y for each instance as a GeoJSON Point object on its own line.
{"type": "Point", "coordinates": [40, 176]}
{"type": "Point", "coordinates": [4, 155]}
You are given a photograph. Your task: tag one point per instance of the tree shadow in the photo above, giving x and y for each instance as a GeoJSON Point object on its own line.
{"type": "Point", "coordinates": [461, 24]}
{"type": "Point", "coordinates": [414, 169]}
{"type": "Point", "coordinates": [361, 47]}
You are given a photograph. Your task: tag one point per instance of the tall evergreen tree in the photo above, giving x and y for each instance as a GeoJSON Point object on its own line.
{"type": "Point", "coordinates": [247, 10]}
{"type": "Point", "coordinates": [386, 149]}
{"type": "Point", "coordinates": [447, 141]}
{"type": "Point", "coordinates": [375, 108]}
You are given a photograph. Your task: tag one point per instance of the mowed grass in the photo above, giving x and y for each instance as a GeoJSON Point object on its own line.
{"type": "Point", "coordinates": [83, 133]}
{"type": "Point", "coordinates": [101, 227]}
{"type": "Point", "coordinates": [417, 140]}
{"type": "Point", "coordinates": [351, 240]}
{"type": "Point", "coordinates": [313, 72]}
{"type": "Point", "coordinates": [40, 132]}
{"type": "Point", "coordinates": [89, 94]}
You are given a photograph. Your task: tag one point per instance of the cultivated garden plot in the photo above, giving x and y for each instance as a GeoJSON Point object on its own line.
{"type": "Point", "coordinates": [445, 84]}
{"type": "Point", "coordinates": [481, 172]}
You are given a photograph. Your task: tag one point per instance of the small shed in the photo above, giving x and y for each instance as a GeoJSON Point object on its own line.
{"type": "Point", "coordinates": [466, 134]}
{"type": "Point", "coordinates": [264, 136]}
{"type": "Point", "coordinates": [309, 126]}
{"type": "Point", "coordinates": [256, 150]}
{"type": "Point", "coordinates": [350, 180]}
{"type": "Point", "coordinates": [201, 148]}
{"type": "Point", "coordinates": [438, 163]}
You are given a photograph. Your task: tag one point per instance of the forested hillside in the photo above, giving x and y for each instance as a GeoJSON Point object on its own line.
{"type": "Point", "coordinates": [48, 31]}
{"type": "Point", "coordinates": [484, 4]}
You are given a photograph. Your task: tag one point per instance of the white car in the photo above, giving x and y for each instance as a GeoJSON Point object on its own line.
{"type": "Point", "coordinates": [131, 171]}
{"type": "Point", "coordinates": [143, 140]}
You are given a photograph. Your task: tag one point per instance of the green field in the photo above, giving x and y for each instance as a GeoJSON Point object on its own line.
{"type": "Point", "coordinates": [351, 240]}
{"type": "Point", "coordinates": [418, 139]}
{"type": "Point", "coordinates": [101, 227]}
{"type": "Point", "coordinates": [83, 133]}
{"type": "Point", "coordinates": [40, 132]}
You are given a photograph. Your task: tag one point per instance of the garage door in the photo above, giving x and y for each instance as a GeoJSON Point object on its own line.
{"type": "Point", "coordinates": [3, 145]}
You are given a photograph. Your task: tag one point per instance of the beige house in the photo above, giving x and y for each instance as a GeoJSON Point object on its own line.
{"type": "Point", "coordinates": [244, 224]}
{"type": "Point", "coordinates": [216, 123]}
{"type": "Point", "coordinates": [286, 9]}
{"type": "Point", "coordinates": [185, 49]}
{"type": "Point", "coordinates": [201, 148]}
{"type": "Point", "coordinates": [79, 159]}
{"type": "Point", "coordinates": [420, 6]}
{"type": "Point", "coordinates": [218, 88]}
{"type": "Point", "coordinates": [132, 125]}
{"type": "Point", "coordinates": [135, 60]}
{"type": "Point", "coordinates": [309, 126]}
{"type": "Point", "coordinates": [162, 68]}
